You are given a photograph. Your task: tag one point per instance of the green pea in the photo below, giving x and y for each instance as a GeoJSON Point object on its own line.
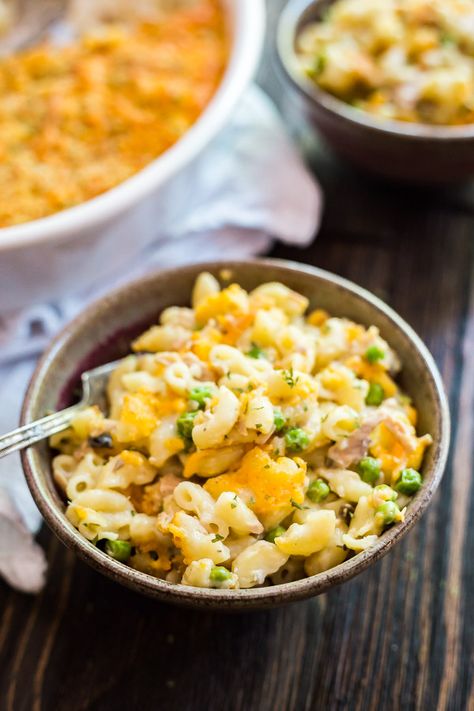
{"type": "Point", "coordinates": [120, 550]}
{"type": "Point", "coordinates": [374, 353]}
{"type": "Point", "coordinates": [296, 439]}
{"type": "Point", "coordinates": [375, 395]}
{"type": "Point", "coordinates": [369, 469]}
{"type": "Point", "coordinates": [185, 424]}
{"type": "Point", "coordinates": [256, 352]}
{"type": "Point", "coordinates": [386, 492]}
{"type": "Point", "coordinates": [318, 66]}
{"type": "Point", "coordinates": [317, 491]}
{"type": "Point", "coordinates": [274, 533]}
{"type": "Point", "coordinates": [200, 394]}
{"type": "Point", "coordinates": [320, 63]}
{"type": "Point", "coordinates": [388, 512]}
{"type": "Point", "coordinates": [219, 574]}
{"type": "Point", "coordinates": [279, 420]}
{"type": "Point", "coordinates": [409, 482]}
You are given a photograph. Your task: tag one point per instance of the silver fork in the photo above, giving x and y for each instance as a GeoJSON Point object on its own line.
{"type": "Point", "coordinates": [93, 387]}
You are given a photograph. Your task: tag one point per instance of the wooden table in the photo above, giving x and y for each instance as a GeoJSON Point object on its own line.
{"type": "Point", "coordinates": [400, 636]}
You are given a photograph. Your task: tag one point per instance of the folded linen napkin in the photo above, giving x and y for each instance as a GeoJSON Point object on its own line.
{"type": "Point", "coordinates": [251, 187]}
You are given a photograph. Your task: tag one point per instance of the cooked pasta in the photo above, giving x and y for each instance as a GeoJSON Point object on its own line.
{"type": "Point", "coordinates": [410, 60]}
{"type": "Point", "coordinates": [246, 443]}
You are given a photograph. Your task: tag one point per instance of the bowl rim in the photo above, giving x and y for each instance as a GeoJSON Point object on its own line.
{"type": "Point", "coordinates": [246, 48]}
{"type": "Point", "coordinates": [288, 63]}
{"type": "Point", "coordinates": [242, 598]}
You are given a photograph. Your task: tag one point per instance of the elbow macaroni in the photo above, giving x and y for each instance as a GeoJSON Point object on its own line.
{"type": "Point", "coordinates": [230, 455]}
{"type": "Point", "coordinates": [217, 422]}
{"type": "Point", "coordinates": [410, 60]}
{"type": "Point", "coordinates": [310, 536]}
{"type": "Point", "coordinates": [256, 562]}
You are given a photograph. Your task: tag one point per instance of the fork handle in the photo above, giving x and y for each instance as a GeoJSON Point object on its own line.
{"type": "Point", "coordinates": [36, 431]}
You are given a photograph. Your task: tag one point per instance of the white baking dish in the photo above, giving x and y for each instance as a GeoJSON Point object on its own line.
{"type": "Point", "coordinates": [75, 248]}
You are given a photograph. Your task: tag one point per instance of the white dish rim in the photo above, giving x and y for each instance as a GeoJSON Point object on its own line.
{"type": "Point", "coordinates": [249, 32]}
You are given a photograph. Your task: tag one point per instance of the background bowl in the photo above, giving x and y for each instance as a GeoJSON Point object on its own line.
{"type": "Point", "coordinates": [394, 149]}
{"type": "Point", "coordinates": [104, 331]}
{"type": "Point", "coordinates": [72, 249]}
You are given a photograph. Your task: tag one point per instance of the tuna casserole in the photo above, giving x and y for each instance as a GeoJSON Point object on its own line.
{"type": "Point", "coordinates": [409, 60]}
{"type": "Point", "coordinates": [246, 442]}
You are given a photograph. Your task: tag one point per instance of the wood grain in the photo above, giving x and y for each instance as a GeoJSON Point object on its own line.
{"type": "Point", "coordinates": [400, 636]}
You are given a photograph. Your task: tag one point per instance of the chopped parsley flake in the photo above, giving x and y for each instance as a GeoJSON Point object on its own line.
{"type": "Point", "coordinates": [297, 505]}
{"type": "Point", "coordinates": [289, 377]}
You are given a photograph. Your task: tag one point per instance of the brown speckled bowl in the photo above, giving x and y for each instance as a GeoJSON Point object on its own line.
{"type": "Point", "coordinates": [103, 332]}
{"type": "Point", "coordinates": [411, 152]}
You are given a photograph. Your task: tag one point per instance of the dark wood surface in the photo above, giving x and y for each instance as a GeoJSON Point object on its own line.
{"type": "Point", "coordinates": [400, 636]}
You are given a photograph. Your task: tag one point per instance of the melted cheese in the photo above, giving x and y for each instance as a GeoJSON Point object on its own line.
{"type": "Point", "coordinates": [268, 486]}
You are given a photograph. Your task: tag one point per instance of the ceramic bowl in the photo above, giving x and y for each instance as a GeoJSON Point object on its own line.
{"type": "Point", "coordinates": [103, 332]}
{"type": "Point", "coordinates": [75, 248]}
{"type": "Point", "coordinates": [398, 150]}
